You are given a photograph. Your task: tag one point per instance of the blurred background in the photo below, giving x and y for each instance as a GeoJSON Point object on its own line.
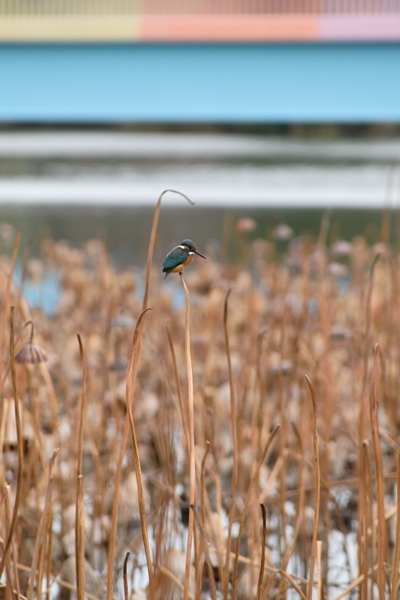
{"type": "Point", "coordinates": [277, 110]}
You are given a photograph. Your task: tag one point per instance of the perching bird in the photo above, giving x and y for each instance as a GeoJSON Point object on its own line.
{"type": "Point", "coordinates": [180, 257]}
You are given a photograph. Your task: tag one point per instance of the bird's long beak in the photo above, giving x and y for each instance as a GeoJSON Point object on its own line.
{"type": "Point", "coordinates": [200, 254]}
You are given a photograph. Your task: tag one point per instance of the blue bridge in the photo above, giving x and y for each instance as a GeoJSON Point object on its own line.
{"type": "Point", "coordinates": [254, 61]}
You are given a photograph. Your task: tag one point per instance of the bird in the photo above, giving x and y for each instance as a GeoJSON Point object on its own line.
{"type": "Point", "coordinates": [180, 257]}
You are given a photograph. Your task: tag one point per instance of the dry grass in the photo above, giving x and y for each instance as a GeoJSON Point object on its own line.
{"type": "Point", "coordinates": [162, 435]}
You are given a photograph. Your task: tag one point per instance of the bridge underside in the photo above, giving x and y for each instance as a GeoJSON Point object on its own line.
{"type": "Point", "coordinates": [190, 83]}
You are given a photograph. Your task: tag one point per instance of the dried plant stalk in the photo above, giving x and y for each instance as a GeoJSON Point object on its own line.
{"type": "Point", "coordinates": [153, 241]}
{"type": "Point", "coordinates": [263, 543]}
{"type": "Point", "coordinates": [130, 387]}
{"type": "Point", "coordinates": [379, 476]}
{"type": "Point", "coordinates": [39, 548]}
{"type": "Point", "coordinates": [7, 302]}
{"type": "Point", "coordinates": [80, 508]}
{"type": "Point", "coordinates": [125, 575]}
{"type": "Point", "coordinates": [179, 390]}
{"type": "Point", "coordinates": [317, 487]}
{"type": "Point", "coordinates": [225, 582]}
{"type": "Point", "coordinates": [246, 505]}
{"type": "Point", "coordinates": [19, 444]}
{"type": "Point", "coordinates": [114, 515]}
{"type": "Point", "coordinates": [192, 455]}
{"type": "Point", "coordinates": [396, 553]}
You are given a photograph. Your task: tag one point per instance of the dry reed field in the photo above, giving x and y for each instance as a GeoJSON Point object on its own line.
{"type": "Point", "coordinates": [229, 435]}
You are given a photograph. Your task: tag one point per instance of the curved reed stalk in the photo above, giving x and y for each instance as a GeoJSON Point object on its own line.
{"type": "Point", "coordinates": [131, 384]}
{"type": "Point", "coordinates": [153, 241]}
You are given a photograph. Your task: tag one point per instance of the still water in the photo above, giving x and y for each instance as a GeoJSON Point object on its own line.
{"type": "Point", "coordinates": [76, 184]}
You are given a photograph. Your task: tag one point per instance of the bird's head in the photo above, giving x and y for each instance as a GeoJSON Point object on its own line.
{"type": "Point", "coordinates": [191, 247]}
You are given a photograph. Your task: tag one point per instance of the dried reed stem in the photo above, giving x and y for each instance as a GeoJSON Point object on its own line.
{"type": "Point", "coordinates": [8, 513]}
{"type": "Point", "coordinates": [19, 445]}
{"type": "Point", "coordinates": [7, 301]}
{"type": "Point", "coordinates": [153, 241]}
{"type": "Point", "coordinates": [364, 523]}
{"type": "Point", "coordinates": [114, 515]}
{"type": "Point", "coordinates": [246, 505]}
{"type": "Point", "coordinates": [80, 508]}
{"type": "Point", "coordinates": [379, 475]}
{"type": "Point", "coordinates": [396, 553]}
{"type": "Point", "coordinates": [40, 544]}
{"type": "Point", "coordinates": [225, 581]}
{"type": "Point", "coordinates": [125, 576]}
{"type": "Point", "coordinates": [130, 387]}
{"type": "Point", "coordinates": [192, 455]}
{"type": "Point", "coordinates": [317, 487]}
{"type": "Point", "coordinates": [213, 589]}
{"type": "Point", "coordinates": [179, 390]}
{"type": "Point", "coordinates": [263, 543]}
{"type": "Point", "coordinates": [319, 568]}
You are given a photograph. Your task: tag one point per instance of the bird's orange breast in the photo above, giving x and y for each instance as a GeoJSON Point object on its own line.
{"type": "Point", "coordinates": [183, 265]}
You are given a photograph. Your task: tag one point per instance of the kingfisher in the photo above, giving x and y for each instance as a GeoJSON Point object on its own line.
{"type": "Point", "coordinates": [180, 257]}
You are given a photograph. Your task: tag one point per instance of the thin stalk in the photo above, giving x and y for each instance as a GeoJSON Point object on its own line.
{"type": "Point", "coordinates": [192, 455]}
{"type": "Point", "coordinates": [19, 446]}
{"type": "Point", "coordinates": [114, 515]}
{"type": "Point", "coordinates": [319, 569]}
{"type": "Point", "coordinates": [396, 553]}
{"type": "Point", "coordinates": [379, 476]}
{"type": "Point", "coordinates": [225, 582]}
{"type": "Point", "coordinates": [40, 545]}
{"type": "Point", "coordinates": [317, 487]}
{"type": "Point", "coordinates": [80, 509]}
{"type": "Point", "coordinates": [7, 302]}
{"type": "Point", "coordinates": [153, 241]}
{"type": "Point", "coordinates": [130, 387]}
{"type": "Point", "coordinates": [263, 543]}
{"type": "Point", "coordinates": [213, 589]}
{"type": "Point", "coordinates": [246, 505]}
{"type": "Point", "coordinates": [13, 561]}
{"type": "Point", "coordinates": [125, 575]}
{"type": "Point", "coordinates": [178, 387]}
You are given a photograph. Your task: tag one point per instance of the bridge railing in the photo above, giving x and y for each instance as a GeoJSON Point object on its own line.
{"type": "Point", "coordinates": [33, 8]}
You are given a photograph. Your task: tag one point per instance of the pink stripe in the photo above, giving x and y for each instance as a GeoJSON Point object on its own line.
{"type": "Point", "coordinates": [228, 28]}
{"type": "Point", "coordinates": [359, 28]}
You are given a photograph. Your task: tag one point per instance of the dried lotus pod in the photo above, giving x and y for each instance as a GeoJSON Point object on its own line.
{"type": "Point", "coordinates": [31, 354]}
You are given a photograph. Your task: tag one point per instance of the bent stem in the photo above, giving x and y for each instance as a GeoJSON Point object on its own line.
{"type": "Point", "coordinates": [192, 457]}
{"type": "Point", "coordinates": [153, 241]}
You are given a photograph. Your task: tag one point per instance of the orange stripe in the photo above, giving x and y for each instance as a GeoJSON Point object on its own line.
{"type": "Point", "coordinates": [228, 28]}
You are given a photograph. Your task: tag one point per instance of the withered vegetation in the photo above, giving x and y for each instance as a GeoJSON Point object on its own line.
{"type": "Point", "coordinates": [284, 395]}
